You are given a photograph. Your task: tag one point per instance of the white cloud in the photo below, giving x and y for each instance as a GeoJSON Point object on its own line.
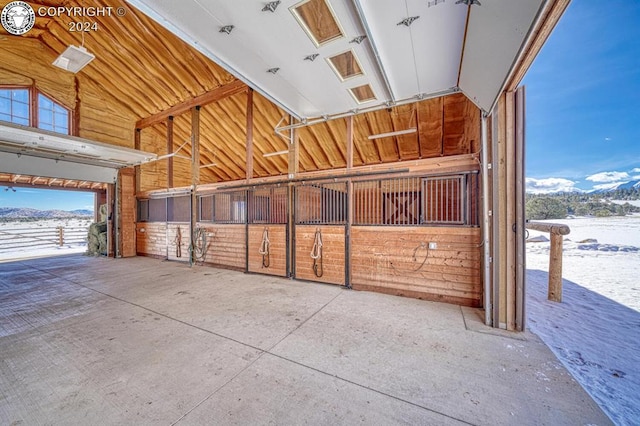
{"type": "Point", "coordinates": [607, 139]}
{"type": "Point", "coordinates": [605, 177]}
{"type": "Point", "coordinates": [549, 185]}
{"type": "Point", "coordinates": [636, 170]}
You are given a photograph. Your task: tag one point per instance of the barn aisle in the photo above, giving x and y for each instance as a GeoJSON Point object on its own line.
{"type": "Point", "coordinates": [142, 341]}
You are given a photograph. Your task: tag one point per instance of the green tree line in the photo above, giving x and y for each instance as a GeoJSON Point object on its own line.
{"type": "Point", "coordinates": [561, 205]}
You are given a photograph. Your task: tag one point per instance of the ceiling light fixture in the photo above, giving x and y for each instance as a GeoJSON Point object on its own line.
{"type": "Point", "coordinates": [226, 29]}
{"type": "Point", "coordinates": [408, 21]}
{"type": "Point", "coordinates": [73, 59]}
{"type": "Point", "coordinates": [273, 154]}
{"type": "Point", "coordinates": [271, 6]}
{"type": "Point", "coordinates": [358, 39]}
{"type": "Point", "coordinates": [398, 133]}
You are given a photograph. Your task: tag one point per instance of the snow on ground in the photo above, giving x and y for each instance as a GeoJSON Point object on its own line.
{"type": "Point", "coordinates": [595, 331]}
{"type": "Point", "coordinates": [9, 228]}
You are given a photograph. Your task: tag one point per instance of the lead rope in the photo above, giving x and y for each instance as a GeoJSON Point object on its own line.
{"type": "Point", "coordinates": [264, 248]}
{"type": "Point", "coordinates": [316, 254]}
{"type": "Point", "coordinates": [178, 241]}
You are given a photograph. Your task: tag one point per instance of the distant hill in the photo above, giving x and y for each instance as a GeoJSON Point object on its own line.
{"type": "Point", "coordinates": [634, 184]}
{"type": "Point", "coordinates": [27, 213]}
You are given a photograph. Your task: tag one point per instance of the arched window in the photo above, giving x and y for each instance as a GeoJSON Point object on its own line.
{"type": "Point", "coordinates": [15, 107]}
{"type": "Point", "coordinates": [52, 116]}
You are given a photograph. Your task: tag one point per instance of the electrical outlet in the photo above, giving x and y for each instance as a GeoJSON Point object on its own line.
{"type": "Point", "coordinates": [433, 245]}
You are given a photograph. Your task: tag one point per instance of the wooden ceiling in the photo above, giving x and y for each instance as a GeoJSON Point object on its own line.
{"type": "Point", "coordinates": [141, 70]}
{"type": "Point", "coordinates": [13, 181]}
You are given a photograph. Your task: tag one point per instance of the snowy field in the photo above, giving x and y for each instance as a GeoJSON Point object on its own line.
{"type": "Point", "coordinates": [10, 233]}
{"type": "Point", "coordinates": [595, 331]}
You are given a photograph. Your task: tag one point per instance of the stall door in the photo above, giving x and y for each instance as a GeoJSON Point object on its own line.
{"type": "Point", "coordinates": [268, 234]}
{"type": "Point", "coordinates": [320, 232]}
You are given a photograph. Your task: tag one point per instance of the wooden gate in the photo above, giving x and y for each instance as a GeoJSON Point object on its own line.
{"type": "Point", "coordinates": [320, 232]}
{"type": "Point", "coordinates": [222, 229]}
{"type": "Point", "coordinates": [268, 236]}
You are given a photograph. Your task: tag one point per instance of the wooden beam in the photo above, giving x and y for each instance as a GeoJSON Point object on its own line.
{"type": "Point", "coordinates": [249, 134]}
{"type": "Point", "coordinates": [195, 170]}
{"type": "Point", "coordinates": [294, 151]}
{"type": "Point", "coordinates": [554, 11]}
{"type": "Point", "coordinates": [136, 145]}
{"type": "Point", "coordinates": [214, 95]}
{"type": "Point", "coordinates": [510, 221]}
{"type": "Point", "coordinates": [170, 151]}
{"type": "Point", "coordinates": [350, 142]}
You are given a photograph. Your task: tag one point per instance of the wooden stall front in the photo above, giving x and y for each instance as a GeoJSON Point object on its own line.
{"type": "Point", "coordinates": [268, 235]}
{"type": "Point", "coordinates": [320, 232]}
{"type": "Point", "coordinates": [222, 218]}
{"type": "Point", "coordinates": [417, 236]}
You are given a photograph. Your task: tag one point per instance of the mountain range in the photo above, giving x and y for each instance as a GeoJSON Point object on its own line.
{"type": "Point", "coordinates": [20, 212]}
{"type": "Point", "coordinates": [604, 188]}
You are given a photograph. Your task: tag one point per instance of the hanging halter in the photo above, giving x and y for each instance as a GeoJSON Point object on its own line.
{"type": "Point", "coordinates": [316, 254]}
{"type": "Point", "coordinates": [264, 248]}
{"type": "Point", "coordinates": [178, 241]}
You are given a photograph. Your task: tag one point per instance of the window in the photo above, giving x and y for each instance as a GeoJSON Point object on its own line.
{"type": "Point", "coordinates": [153, 210]}
{"type": "Point", "coordinates": [14, 106]}
{"type": "Point", "coordinates": [225, 207]}
{"type": "Point", "coordinates": [52, 116]}
{"type": "Point", "coordinates": [318, 20]}
{"type": "Point", "coordinates": [430, 200]}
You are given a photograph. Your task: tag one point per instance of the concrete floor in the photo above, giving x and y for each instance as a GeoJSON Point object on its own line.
{"type": "Point", "coordinates": [141, 341]}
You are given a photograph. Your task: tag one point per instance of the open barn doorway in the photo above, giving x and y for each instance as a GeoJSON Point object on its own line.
{"type": "Point", "coordinates": [51, 217]}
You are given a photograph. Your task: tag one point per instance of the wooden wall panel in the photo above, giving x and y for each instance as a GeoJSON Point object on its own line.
{"type": "Point", "coordinates": [333, 253]}
{"type": "Point", "coordinates": [178, 241]}
{"type": "Point", "coordinates": [154, 175]}
{"type": "Point", "coordinates": [430, 129]}
{"type": "Point", "coordinates": [277, 249]}
{"type": "Point", "coordinates": [151, 239]}
{"type": "Point", "coordinates": [461, 124]}
{"type": "Point", "coordinates": [127, 213]}
{"type": "Point", "coordinates": [389, 260]}
{"type": "Point", "coordinates": [227, 245]}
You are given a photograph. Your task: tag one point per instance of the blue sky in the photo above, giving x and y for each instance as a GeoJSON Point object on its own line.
{"type": "Point", "coordinates": [583, 98]}
{"type": "Point", "coordinates": [46, 199]}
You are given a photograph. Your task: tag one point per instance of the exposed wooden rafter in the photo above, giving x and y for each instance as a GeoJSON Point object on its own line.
{"type": "Point", "coordinates": [215, 95]}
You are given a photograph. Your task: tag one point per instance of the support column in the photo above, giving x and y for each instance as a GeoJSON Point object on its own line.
{"type": "Point", "coordinates": [136, 145]}
{"type": "Point", "coordinates": [170, 151]}
{"type": "Point", "coordinates": [195, 173]}
{"type": "Point", "coordinates": [249, 134]}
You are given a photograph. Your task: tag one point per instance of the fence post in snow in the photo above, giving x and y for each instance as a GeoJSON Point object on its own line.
{"type": "Point", "coordinates": [557, 232]}
{"type": "Point", "coordinates": [60, 236]}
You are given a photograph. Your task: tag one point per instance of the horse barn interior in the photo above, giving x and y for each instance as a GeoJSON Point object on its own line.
{"type": "Point", "coordinates": [369, 145]}
{"type": "Point", "coordinates": [257, 160]}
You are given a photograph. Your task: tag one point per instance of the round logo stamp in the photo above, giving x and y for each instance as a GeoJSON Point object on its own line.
{"type": "Point", "coordinates": [18, 17]}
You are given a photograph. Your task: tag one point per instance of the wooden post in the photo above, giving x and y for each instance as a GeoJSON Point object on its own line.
{"type": "Point", "coordinates": [350, 142]}
{"type": "Point", "coordinates": [249, 173]}
{"type": "Point", "coordinates": [195, 173]}
{"type": "Point", "coordinates": [557, 232]}
{"type": "Point", "coordinates": [138, 172]}
{"type": "Point", "coordinates": [294, 154]}
{"type": "Point", "coordinates": [555, 268]}
{"type": "Point", "coordinates": [60, 236]}
{"type": "Point", "coordinates": [170, 151]}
